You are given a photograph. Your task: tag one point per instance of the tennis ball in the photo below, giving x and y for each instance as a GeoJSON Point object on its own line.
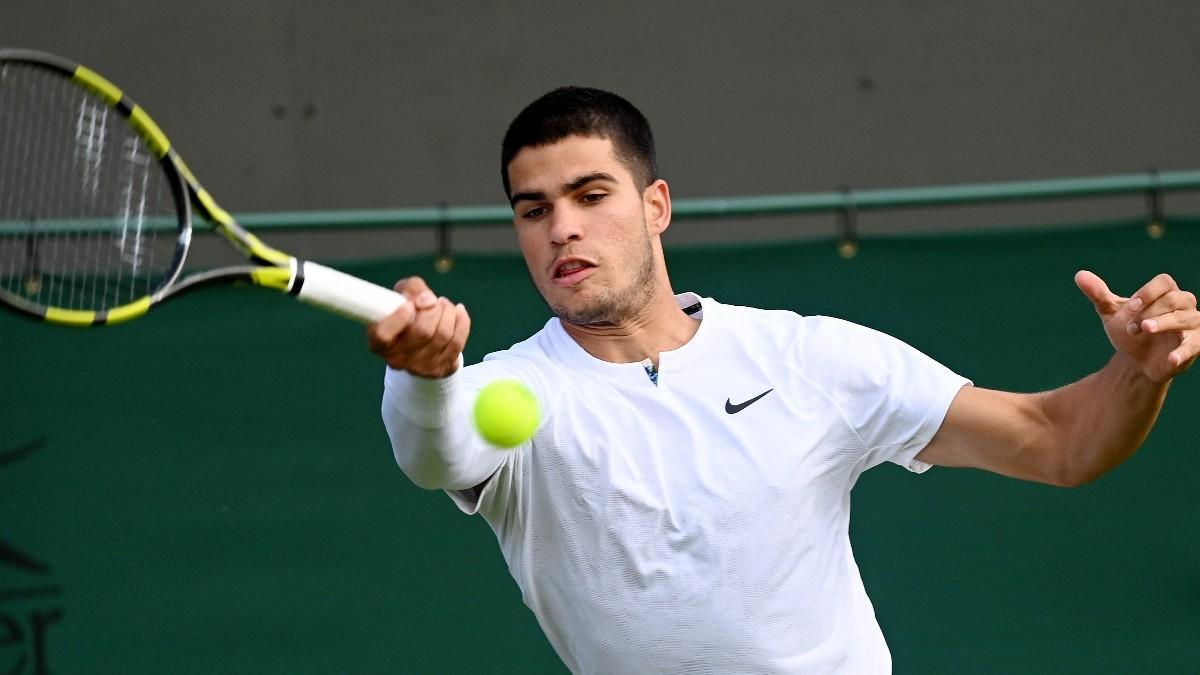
{"type": "Point", "coordinates": [507, 413]}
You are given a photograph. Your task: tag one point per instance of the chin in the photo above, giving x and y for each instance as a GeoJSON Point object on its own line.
{"type": "Point", "coordinates": [594, 312]}
{"type": "Point", "coordinates": [590, 304]}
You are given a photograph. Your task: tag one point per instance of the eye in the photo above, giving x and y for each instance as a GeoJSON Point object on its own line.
{"type": "Point", "coordinates": [593, 197]}
{"type": "Point", "coordinates": [535, 212]}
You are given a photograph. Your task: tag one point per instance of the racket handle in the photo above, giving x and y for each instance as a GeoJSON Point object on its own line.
{"type": "Point", "coordinates": [349, 296]}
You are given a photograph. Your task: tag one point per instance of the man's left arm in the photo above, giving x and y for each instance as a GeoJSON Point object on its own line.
{"type": "Point", "coordinates": [1074, 434]}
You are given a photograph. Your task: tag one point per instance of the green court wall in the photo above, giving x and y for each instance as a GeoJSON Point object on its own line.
{"type": "Point", "coordinates": [210, 489]}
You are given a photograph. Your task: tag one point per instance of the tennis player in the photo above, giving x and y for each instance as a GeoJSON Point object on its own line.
{"type": "Point", "coordinates": [684, 507]}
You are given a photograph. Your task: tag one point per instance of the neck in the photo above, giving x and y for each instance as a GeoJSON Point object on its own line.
{"type": "Point", "coordinates": [658, 327]}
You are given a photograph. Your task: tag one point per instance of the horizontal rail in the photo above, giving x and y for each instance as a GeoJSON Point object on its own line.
{"type": "Point", "coordinates": [717, 207]}
{"type": "Point", "coordinates": [761, 205]}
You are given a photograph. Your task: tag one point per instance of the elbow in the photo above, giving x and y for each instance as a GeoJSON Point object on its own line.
{"type": "Point", "coordinates": [426, 483]}
{"type": "Point", "coordinates": [433, 461]}
{"type": "Point", "coordinates": [1070, 474]}
{"type": "Point", "coordinates": [426, 456]}
{"type": "Point", "coordinates": [444, 457]}
{"type": "Point", "coordinates": [427, 475]}
{"type": "Point", "coordinates": [1085, 463]}
{"type": "Point", "coordinates": [1079, 478]}
{"type": "Point", "coordinates": [1062, 473]}
{"type": "Point", "coordinates": [1066, 480]}
{"type": "Point", "coordinates": [420, 479]}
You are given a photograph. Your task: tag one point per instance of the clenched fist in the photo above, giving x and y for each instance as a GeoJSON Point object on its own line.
{"type": "Point", "coordinates": [425, 335]}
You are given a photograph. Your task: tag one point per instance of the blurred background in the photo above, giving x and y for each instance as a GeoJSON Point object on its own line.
{"type": "Point", "coordinates": [210, 490]}
{"type": "Point", "coordinates": [287, 106]}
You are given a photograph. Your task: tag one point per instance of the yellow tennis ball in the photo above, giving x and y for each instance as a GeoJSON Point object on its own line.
{"type": "Point", "coordinates": [507, 413]}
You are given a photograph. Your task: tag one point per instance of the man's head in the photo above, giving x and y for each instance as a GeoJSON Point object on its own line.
{"type": "Point", "coordinates": [578, 166]}
{"type": "Point", "coordinates": [582, 111]}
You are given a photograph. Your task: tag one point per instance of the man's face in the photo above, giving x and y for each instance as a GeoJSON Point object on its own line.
{"type": "Point", "coordinates": [581, 224]}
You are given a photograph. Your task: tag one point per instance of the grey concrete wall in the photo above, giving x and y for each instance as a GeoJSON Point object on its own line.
{"type": "Point", "coordinates": [287, 106]}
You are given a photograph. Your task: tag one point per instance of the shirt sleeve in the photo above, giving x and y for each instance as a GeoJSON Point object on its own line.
{"type": "Point", "coordinates": [433, 436]}
{"type": "Point", "coordinates": [894, 396]}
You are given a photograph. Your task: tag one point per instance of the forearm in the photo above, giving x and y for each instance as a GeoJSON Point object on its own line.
{"type": "Point", "coordinates": [1073, 434]}
{"type": "Point", "coordinates": [1100, 421]}
{"type": "Point", "coordinates": [428, 422]}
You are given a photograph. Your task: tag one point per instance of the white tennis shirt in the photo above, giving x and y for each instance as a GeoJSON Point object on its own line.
{"type": "Point", "coordinates": [700, 524]}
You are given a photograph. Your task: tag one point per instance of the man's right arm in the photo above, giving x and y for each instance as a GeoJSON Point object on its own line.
{"type": "Point", "coordinates": [426, 403]}
{"type": "Point", "coordinates": [428, 422]}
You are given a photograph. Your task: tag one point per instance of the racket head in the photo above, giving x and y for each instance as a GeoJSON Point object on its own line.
{"type": "Point", "coordinates": [95, 220]}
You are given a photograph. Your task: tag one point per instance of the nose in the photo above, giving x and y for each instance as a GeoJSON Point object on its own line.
{"type": "Point", "coordinates": [565, 227]}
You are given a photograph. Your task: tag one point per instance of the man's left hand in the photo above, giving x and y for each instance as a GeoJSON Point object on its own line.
{"type": "Point", "coordinates": [1158, 327]}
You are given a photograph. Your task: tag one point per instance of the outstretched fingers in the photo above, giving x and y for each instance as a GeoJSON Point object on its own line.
{"type": "Point", "coordinates": [1183, 356]}
{"type": "Point", "coordinates": [1159, 296]}
{"type": "Point", "coordinates": [1173, 311]}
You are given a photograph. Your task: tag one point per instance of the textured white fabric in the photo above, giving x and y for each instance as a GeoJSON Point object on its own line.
{"type": "Point", "coordinates": [650, 530]}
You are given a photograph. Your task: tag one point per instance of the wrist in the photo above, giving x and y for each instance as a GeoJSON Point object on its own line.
{"type": "Point", "coordinates": [433, 374]}
{"type": "Point", "coordinates": [1130, 371]}
{"type": "Point", "coordinates": [425, 401]}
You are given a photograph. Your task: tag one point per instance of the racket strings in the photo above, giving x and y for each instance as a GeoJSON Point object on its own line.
{"type": "Point", "coordinates": [88, 219]}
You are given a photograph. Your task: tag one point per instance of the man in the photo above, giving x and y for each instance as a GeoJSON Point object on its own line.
{"type": "Point", "coordinates": [684, 506]}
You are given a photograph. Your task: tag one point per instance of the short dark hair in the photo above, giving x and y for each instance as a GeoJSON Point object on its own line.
{"type": "Point", "coordinates": [583, 111]}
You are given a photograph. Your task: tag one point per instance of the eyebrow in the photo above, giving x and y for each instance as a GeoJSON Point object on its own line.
{"type": "Point", "coordinates": [537, 195]}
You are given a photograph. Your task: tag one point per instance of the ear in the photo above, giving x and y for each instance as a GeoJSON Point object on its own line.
{"type": "Point", "coordinates": [656, 202]}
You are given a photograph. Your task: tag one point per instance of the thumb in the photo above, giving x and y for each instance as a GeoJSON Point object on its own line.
{"type": "Point", "coordinates": [1094, 288]}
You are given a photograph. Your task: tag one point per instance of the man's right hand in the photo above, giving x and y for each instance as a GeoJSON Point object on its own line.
{"type": "Point", "coordinates": [425, 335]}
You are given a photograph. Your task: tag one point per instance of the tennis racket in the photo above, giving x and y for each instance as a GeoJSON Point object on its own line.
{"type": "Point", "coordinates": [96, 209]}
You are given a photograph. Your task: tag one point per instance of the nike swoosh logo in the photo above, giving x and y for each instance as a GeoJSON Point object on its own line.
{"type": "Point", "coordinates": [732, 408]}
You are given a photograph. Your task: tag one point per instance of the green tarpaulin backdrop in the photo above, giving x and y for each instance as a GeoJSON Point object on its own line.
{"type": "Point", "coordinates": [210, 489]}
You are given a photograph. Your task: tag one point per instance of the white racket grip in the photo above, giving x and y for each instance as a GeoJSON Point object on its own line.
{"type": "Point", "coordinates": [349, 296]}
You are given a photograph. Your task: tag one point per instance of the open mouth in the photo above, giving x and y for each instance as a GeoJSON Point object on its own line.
{"type": "Point", "coordinates": [572, 271]}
